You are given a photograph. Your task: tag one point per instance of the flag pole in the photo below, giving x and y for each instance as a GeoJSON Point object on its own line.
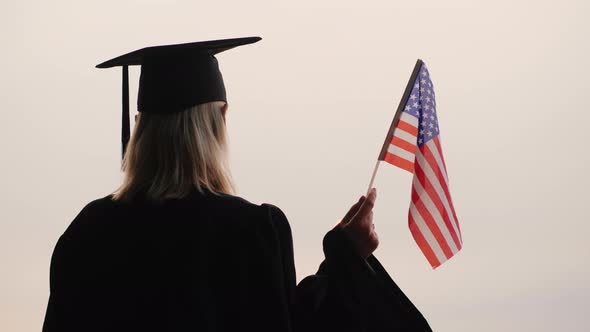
{"type": "Point", "coordinates": [373, 176]}
{"type": "Point", "coordinates": [396, 117]}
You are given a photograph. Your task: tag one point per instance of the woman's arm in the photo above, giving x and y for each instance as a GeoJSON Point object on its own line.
{"type": "Point", "coordinates": [348, 293]}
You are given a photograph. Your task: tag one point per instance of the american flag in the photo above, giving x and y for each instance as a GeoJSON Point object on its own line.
{"type": "Point", "coordinates": [413, 144]}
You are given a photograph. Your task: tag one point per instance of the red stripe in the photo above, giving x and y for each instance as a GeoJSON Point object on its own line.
{"type": "Point", "coordinates": [430, 222]}
{"type": "Point", "coordinates": [429, 157]}
{"type": "Point", "coordinates": [405, 126]}
{"type": "Point", "coordinates": [399, 162]}
{"type": "Point", "coordinates": [429, 188]}
{"type": "Point", "coordinates": [439, 148]}
{"type": "Point", "coordinates": [422, 243]}
{"type": "Point", "coordinates": [442, 158]}
{"type": "Point", "coordinates": [403, 144]}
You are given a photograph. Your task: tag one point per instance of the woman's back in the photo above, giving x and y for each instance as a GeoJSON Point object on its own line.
{"type": "Point", "coordinates": [201, 263]}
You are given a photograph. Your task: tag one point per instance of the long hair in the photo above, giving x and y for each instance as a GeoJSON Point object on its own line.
{"type": "Point", "coordinates": [169, 155]}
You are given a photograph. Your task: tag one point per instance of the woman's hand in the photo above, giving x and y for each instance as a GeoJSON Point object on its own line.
{"type": "Point", "coordinates": [358, 225]}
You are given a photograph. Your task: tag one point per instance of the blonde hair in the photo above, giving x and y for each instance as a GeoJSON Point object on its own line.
{"type": "Point", "coordinates": [169, 155]}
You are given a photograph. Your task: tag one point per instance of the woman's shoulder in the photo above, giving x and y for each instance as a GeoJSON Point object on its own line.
{"type": "Point", "coordinates": [276, 216]}
{"type": "Point", "coordinates": [266, 215]}
{"type": "Point", "coordinates": [267, 211]}
{"type": "Point", "coordinates": [265, 219]}
{"type": "Point", "coordinates": [90, 211]}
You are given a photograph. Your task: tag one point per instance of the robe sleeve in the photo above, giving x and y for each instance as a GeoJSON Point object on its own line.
{"type": "Point", "coordinates": [68, 293]}
{"type": "Point", "coordinates": [74, 295]}
{"type": "Point", "coordinates": [65, 279]}
{"type": "Point", "coordinates": [54, 306]}
{"type": "Point", "coordinates": [348, 293]}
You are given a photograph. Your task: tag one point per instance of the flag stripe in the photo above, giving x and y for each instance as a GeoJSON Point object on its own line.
{"type": "Point", "coordinates": [399, 162]}
{"type": "Point", "coordinates": [409, 118]}
{"type": "Point", "coordinates": [405, 126]}
{"type": "Point", "coordinates": [437, 153]}
{"type": "Point", "coordinates": [404, 135]}
{"type": "Point", "coordinates": [433, 203]}
{"type": "Point", "coordinates": [422, 243]}
{"type": "Point", "coordinates": [397, 151]}
{"type": "Point", "coordinates": [430, 214]}
{"type": "Point", "coordinates": [404, 144]}
{"type": "Point", "coordinates": [428, 236]}
{"type": "Point", "coordinates": [439, 150]}
{"type": "Point", "coordinates": [435, 191]}
{"type": "Point", "coordinates": [428, 150]}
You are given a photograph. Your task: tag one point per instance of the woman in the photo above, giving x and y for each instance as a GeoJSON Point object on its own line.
{"type": "Point", "coordinates": [173, 249]}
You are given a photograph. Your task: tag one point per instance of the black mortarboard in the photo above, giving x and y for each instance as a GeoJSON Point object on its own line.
{"type": "Point", "coordinates": [174, 77]}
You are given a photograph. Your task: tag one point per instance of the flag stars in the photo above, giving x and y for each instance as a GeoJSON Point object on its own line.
{"type": "Point", "coordinates": [422, 105]}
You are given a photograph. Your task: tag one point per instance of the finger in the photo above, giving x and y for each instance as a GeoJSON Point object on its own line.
{"type": "Point", "coordinates": [366, 206]}
{"type": "Point", "coordinates": [374, 242]}
{"type": "Point", "coordinates": [353, 210]}
{"type": "Point", "coordinates": [368, 221]}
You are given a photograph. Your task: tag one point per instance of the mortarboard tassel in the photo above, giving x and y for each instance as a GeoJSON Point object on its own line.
{"type": "Point", "coordinates": [125, 118]}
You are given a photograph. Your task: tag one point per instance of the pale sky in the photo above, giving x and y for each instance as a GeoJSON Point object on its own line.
{"type": "Point", "coordinates": [310, 105]}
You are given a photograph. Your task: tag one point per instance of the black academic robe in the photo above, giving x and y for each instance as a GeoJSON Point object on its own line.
{"type": "Point", "coordinates": [211, 263]}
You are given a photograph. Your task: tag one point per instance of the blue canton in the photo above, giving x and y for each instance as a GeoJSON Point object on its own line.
{"type": "Point", "coordinates": [422, 105]}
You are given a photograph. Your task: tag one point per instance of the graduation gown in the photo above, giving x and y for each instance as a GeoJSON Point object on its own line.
{"type": "Point", "coordinates": [211, 263]}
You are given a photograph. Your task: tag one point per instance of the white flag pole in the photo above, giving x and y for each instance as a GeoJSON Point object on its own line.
{"type": "Point", "coordinates": [373, 177]}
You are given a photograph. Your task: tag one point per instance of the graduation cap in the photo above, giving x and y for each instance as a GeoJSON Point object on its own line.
{"type": "Point", "coordinates": [174, 77]}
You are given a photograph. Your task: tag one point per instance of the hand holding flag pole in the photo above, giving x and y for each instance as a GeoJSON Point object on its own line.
{"type": "Point", "coordinates": [413, 144]}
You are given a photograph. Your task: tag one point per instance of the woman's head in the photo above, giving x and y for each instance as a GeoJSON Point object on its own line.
{"type": "Point", "coordinates": [169, 155]}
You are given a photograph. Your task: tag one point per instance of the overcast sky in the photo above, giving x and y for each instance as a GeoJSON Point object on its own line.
{"type": "Point", "coordinates": [310, 105]}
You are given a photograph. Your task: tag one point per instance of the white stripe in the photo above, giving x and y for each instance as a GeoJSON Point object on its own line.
{"type": "Point", "coordinates": [431, 176]}
{"type": "Point", "coordinates": [409, 118]}
{"type": "Point", "coordinates": [404, 135]}
{"type": "Point", "coordinates": [430, 144]}
{"type": "Point", "coordinates": [438, 159]}
{"type": "Point", "coordinates": [396, 150]}
{"type": "Point", "coordinates": [440, 255]}
{"type": "Point", "coordinates": [429, 204]}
